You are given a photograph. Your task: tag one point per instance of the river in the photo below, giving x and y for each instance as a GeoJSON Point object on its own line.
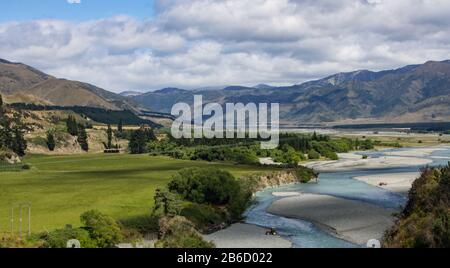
{"type": "Point", "coordinates": [304, 234]}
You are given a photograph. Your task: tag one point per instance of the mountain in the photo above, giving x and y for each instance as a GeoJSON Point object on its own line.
{"type": "Point", "coordinates": [130, 93]}
{"type": "Point", "coordinates": [22, 83]}
{"type": "Point", "coordinates": [414, 93]}
{"type": "Point", "coordinates": [263, 86]}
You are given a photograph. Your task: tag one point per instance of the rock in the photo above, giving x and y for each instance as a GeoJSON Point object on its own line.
{"type": "Point", "coordinates": [10, 157]}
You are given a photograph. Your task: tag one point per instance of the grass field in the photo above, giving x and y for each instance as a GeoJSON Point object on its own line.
{"type": "Point", "coordinates": [60, 188]}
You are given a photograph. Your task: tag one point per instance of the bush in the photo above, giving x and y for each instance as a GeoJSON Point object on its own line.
{"type": "Point", "coordinates": [103, 229]}
{"type": "Point", "coordinates": [26, 167]}
{"type": "Point", "coordinates": [203, 216]}
{"type": "Point", "coordinates": [18, 242]}
{"type": "Point", "coordinates": [313, 154]}
{"type": "Point", "coordinates": [59, 238]}
{"type": "Point", "coordinates": [304, 174]}
{"type": "Point", "coordinates": [205, 186]}
{"type": "Point", "coordinates": [178, 232]}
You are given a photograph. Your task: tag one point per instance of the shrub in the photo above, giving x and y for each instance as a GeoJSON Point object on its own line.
{"type": "Point", "coordinates": [104, 230]}
{"type": "Point", "coordinates": [304, 174]}
{"type": "Point", "coordinates": [202, 215]}
{"type": "Point", "coordinates": [178, 232]}
{"type": "Point", "coordinates": [313, 154]}
{"type": "Point", "coordinates": [59, 238]}
{"type": "Point", "coordinates": [205, 186]}
{"type": "Point", "coordinates": [26, 167]}
{"type": "Point", "coordinates": [17, 242]}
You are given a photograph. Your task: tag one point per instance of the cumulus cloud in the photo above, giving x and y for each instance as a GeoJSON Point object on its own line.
{"type": "Point", "coordinates": [74, 1]}
{"type": "Point", "coordinates": [198, 43]}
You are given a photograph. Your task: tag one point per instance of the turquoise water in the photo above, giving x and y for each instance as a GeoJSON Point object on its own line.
{"type": "Point", "coordinates": [339, 184]}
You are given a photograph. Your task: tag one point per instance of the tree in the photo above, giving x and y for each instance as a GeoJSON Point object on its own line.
{"type": "Point", "coordinates": [104, 230]}
{"type": "Point", "coordinates": [83, 138]}
{"type": "Point", "coordinates": [1, 105]}
{"type": "Point", "coordinates": [12, 131]}
{"type": "Point", "coordinates": [205, 185]}
{"type": "Point", "coordinates": [72, 126]}
{"type": "Point", "coordinates": [166, 202]}
{"type": "Point", "coordinates": [109, 132]}
{"type": "Point", "coordinates": [19, 143]}
{"type": "Point", "coordinates": [139, 140]}
{"type": "Point", "coordinates": [6, 138]}
{"type": "Point", "coordinates": [313, 154]}
{"type": "Point", "coordinates": [51, 144]}
{"type": "Point", "coordinates": [120, 126]}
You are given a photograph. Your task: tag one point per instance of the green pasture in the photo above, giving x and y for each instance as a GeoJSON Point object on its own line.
{"type": "Point", "coordinates": [60, 188]}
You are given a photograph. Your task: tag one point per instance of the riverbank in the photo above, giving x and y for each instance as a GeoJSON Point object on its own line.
{"type": "Point", "coordinates": [354, 221]}
{"type": "Point", "coordinates": [395, 159]}
{"type": "Point", "coordinates": [241, 235]}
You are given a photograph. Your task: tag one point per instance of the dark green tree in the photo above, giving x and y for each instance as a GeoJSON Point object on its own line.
{"type": "Point", "coordinates": [139, 139]}
{"type": "Point", "coordinates": [83, 138]}
{"type": "Point", "coordinates": [109, 132]}
{"type": "Point", "coordinates": [72, 126]}
{"type": "Point", "coordinates": [120, 126]}
{"type": "Point", "coordinates": [1, 105]}
{"type": "Point", "coordinates": [6, 137]}
{"type": "Point", "coordinates": [19, 145]}
{"type": "Point", "coordinates": [51, 144]}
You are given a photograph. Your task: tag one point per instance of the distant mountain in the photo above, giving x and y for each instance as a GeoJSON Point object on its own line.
{"type": "Point", "coordinates": [22, 83]}
{"type": "Point", "coordinates": [414, 93]}
{"type": "Point", "coordinates": [263, 86]}
{"type": "Point", "coordinates": [130, 93]}
{"type": "Point", "coordinates": [169, 90]}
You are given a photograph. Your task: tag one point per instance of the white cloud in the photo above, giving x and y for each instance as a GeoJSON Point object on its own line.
{"type": "Point", "coordinates": [74, 1]}
{"type": "Point", "coordinates": [204, 42]}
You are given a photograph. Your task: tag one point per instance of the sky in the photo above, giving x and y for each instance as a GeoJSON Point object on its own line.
{"type": "Point", "coordinates": [151, 44]}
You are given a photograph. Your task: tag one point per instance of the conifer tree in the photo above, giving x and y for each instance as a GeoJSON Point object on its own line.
{"type": "Point", "coordinates": [83, 138]}
{"type": "Point", "coordinates": [51, 144]}
{"type": "Point", "coordinates": [109, 132]}
{"type": "Point", "coordinates": [72, 126]}
{"type": "Point", "coordinates": [120, 126]}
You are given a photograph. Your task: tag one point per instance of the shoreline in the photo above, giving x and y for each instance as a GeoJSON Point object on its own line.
{"type": "Point", "coordinates": [353, 161]}
{"type": "Point", "coordinates": [353, 221]}
{"type": "Point", "coordinates": [243, 235]}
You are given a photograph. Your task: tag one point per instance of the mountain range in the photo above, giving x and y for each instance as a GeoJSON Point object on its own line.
{"type": "Point", "coordinates": [414, 93]}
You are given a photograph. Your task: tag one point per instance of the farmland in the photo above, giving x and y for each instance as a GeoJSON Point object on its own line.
{"type": "Point", "coordinates": [60, 188]}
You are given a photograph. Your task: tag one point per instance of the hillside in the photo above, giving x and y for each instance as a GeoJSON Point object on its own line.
{"type": "Point", "coordinates": [414, 93]}
{"type": "Point", "coordinates": [425, 221]}
{"type": "Point", "coordinates": [22, 83]}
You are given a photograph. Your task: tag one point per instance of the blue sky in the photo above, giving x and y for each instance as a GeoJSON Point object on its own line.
{"type": "Point", "coordinates": [20, 10]}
